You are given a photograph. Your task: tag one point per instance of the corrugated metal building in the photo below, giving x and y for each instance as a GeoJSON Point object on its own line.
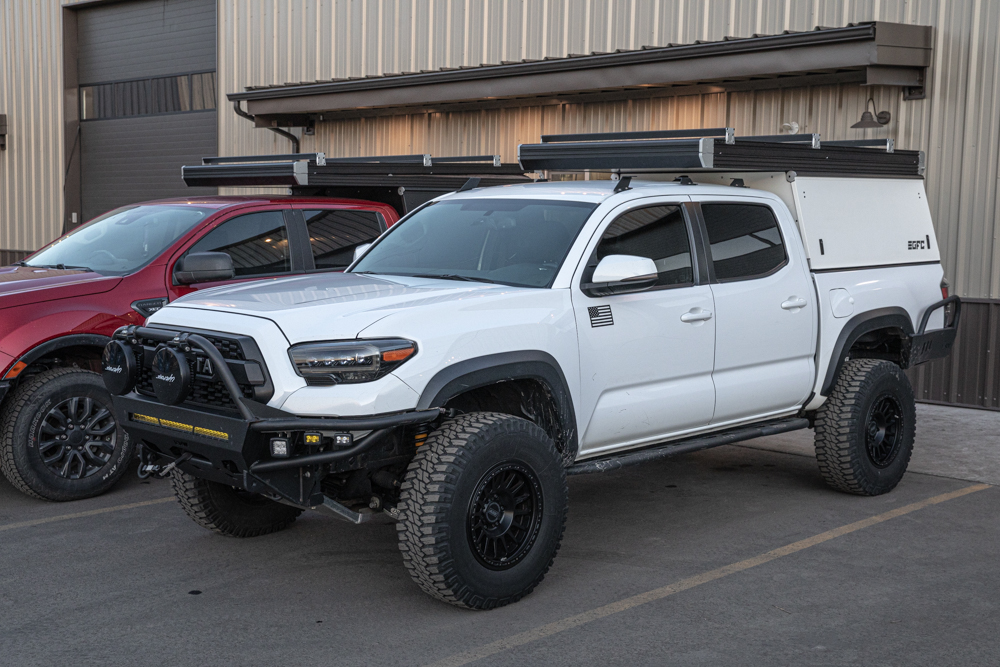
{"type": "Point", "coordinates": [285, 42]}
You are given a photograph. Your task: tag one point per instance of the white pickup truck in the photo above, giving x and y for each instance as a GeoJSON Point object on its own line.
{"type": "Point", "coordinates": [499, 339]}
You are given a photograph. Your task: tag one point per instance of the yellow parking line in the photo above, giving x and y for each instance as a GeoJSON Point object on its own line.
{"type": "Point", "coordinates": [80, 515]}
{"type": "Point", "coordinates": [625, 604]}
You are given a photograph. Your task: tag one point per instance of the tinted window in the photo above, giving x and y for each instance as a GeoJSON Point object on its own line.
{"type": "Point", "coordinates": [334, 235]}
{"type": "Point", "coordinates": [744, 239]}
{"type": "Point", "coordinates": [123, 240]}
{"type": "Point", "coordinates": [657, 232]}
{"type": "Point", "coordinates": [257, 242]}
{"type": "Point", "coordinates": [511, 241]}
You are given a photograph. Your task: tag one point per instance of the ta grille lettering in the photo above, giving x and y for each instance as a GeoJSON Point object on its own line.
{"type": "Point", "coordinates": [600, 316]}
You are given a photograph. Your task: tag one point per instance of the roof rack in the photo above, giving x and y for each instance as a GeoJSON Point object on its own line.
{"type": "Point", "coordinates": [718, 149]}
{"type": "Point", "coordinates": [402, 181]}
{"type": "Point", "coordinates": [315, 169]}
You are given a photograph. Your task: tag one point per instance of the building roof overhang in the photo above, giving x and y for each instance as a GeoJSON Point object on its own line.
{"type": "Point", "coordinates": [876, 53]}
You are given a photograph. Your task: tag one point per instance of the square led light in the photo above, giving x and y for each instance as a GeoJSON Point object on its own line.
{"type": "Point", "coordinates": [280, 448]}
{"type": "Point", "coordinates": [314, 438]}
{"type": "Point", "coordinates": [343, 439]}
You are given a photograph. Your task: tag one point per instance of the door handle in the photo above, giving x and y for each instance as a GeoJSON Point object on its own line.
{"type": "Point", "coordinates": [794, 303]}
{"type": "Point", "coordinates": [696, 315]}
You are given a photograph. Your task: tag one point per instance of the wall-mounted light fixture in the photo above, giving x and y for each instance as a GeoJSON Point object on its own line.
{"type": "Point", "coordinates": [3, 131]}
{"type": "Point", "coordinates": [869, 121]}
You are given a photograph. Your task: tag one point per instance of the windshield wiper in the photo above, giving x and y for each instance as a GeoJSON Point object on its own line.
{"type": "Point", "coordinates": [454, 276]}
{"type": "Point", "coordinates": [62, 267]}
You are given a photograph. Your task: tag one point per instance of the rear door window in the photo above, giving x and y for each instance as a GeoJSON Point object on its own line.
{"type": "Point", "coordinates": [334, 234]}
{"type": "Point", "coordinates": [257, 242]}
{"type": "Point", "coordinates": [744, 241]}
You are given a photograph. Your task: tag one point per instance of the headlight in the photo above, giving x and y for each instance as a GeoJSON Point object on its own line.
{"type": "Point", "coordinates": [350, 361]}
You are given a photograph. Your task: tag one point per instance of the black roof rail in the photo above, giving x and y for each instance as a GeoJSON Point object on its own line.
{"type": "Point", "coordinates": [888, 144]}
{"type": "Point", "coordinates": [691, 150]}
{"type": "Point", "coordinates": [727, 132]}
{"type": "Point", "coordinates": [318, 158]}
{"type": "Point", "coordinates": [811, 139]}
{"type": "Point", "coordinates": [315, 169]}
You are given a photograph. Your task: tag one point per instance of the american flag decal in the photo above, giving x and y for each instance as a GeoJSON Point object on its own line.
{"type": "Point", "coordinates": [600, 316]}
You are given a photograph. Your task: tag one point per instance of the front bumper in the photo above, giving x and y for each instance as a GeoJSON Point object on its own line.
{"type": "Point", "coordinates": [929, 345]}
{"type": "Point", "coordinates": [234, 449]}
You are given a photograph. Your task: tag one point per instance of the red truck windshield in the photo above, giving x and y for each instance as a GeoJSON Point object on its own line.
{"type": "Point", "coordinates": [122, 241]}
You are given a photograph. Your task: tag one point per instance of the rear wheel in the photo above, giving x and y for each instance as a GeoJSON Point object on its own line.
{"type": "Point", "coordinates": [483, 510]}
{"type": "Point", "coordinates": [59, 439]}
{"type": "Point", "coordinates": [865, 430]}
{"type": "Point", "coordinates": [228, 510]}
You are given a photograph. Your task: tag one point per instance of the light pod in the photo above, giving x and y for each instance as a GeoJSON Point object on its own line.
{"type": "Point", "coordinates": [118, 368]}
{"type": "Point", "coordinates": [171, 376]}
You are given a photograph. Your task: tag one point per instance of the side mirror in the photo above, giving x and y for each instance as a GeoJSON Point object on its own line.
{"type": "Point", "coordinates": [360, 250]}
{"type": "Point", "coordinates": [618, 274]}
{"type": "Point", "coordinates": [204, 267]}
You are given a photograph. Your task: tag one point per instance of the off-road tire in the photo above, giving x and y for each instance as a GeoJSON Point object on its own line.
{"type": "Point", "coordinates": [20, 457]}
{"type": "Point", "coordinates": [230, 511]}
{"type": "Point", "coordinates": [444, 486]}
{"type": "Point", "coordinates": [842, 448]}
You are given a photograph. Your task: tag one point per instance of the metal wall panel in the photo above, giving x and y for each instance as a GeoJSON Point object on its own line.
{"type": "Point", "coordinates": [130, 40]}
{"type": "Point", "coordinates": [31, 96]}
{"type": "Point", "coordinates": [958, 124]}
{"type": "Point", "coordinates": [127, 160]}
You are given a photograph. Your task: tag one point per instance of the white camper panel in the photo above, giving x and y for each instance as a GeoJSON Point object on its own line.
{"type": "Point", "coordinates": [857, 222]}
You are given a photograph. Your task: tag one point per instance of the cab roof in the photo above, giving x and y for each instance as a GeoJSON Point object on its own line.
{"type": "Point", "coordinates": [598, 191]}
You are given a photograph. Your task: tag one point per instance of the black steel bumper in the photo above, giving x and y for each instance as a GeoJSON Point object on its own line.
{"type": "Point", "coordinates": [235, 448]}
{"type": "Point", "coordinates": [928, 345]}
{"type": "Point", "coordinates": [226, 448]}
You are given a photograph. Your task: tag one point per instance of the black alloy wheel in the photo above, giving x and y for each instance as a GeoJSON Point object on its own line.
{"type": "Point", "coordinates": [482, 510]}
{"type": "Point", "coordinates": [505, 515]}
{"type": "Point", "coordinates": [76, 438]}
{"type": "Point", "coordinates": [882, 431]}
{"type": "Point", "coordinates": [59, 439]}
{"type": "Point", "coordinates": [866, 427]}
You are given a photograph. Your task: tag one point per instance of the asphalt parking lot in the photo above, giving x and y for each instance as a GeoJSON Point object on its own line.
{"type": "Point", "coordinates": [733, 556]}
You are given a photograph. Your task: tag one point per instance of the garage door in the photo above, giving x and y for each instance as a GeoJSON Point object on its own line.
{"type": "Point", "coordinates": [147, 99]}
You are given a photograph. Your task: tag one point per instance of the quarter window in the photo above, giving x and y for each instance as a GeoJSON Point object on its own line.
{"type": "Point", "coordinates": [257, 242]}
{"type": "Point", "coordinates": [744, 239]}
{"type": "Point", "coordinates": [333, 235]}
{"type": "Point", "coordinates": [656, 232]}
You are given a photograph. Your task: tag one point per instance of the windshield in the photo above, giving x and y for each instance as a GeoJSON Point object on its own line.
{"type": "Point", "coordinates": [122, 241]}
{"type": "Point", "coordinates": [520, 242]}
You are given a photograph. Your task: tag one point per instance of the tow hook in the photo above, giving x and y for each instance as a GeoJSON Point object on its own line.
{"type": "Point", "coordinates": [183, 458]}
{"type": "Point", "coordinates": [146, 466]}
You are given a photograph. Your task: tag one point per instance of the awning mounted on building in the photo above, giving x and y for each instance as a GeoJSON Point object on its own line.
{"type": "Point", "coordinates": [877, 53]}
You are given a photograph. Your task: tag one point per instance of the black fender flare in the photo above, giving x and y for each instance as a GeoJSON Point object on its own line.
{"type": "Point", "coordinates": [857, 326]}
{"type": "Point", "coordinates": [477, 372]}
{"type": "Point", "coordinates": [63, 342]}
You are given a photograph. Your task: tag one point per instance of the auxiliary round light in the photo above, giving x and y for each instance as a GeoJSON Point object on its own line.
{"type": "Point", "coordinates": [171, 376]}
{"type": "Point", "coordinates": [118, 368]}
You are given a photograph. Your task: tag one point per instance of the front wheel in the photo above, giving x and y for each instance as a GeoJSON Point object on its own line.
{"type": "Point", "coordinates": [59, 439]}
{"type": "Point", "coordinates": [230, 511]}
{"type": "Point", "coordinates": [865, 430]}
{"type": "Point", "coordinates": [483, 510]}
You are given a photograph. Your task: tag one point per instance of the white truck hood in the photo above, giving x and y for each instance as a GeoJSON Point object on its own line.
{"type": "Point", "coordinates": [330, 305]}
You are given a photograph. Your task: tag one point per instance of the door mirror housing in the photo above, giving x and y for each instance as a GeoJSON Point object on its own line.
{"type": "Point", "coordinates": [204, 267]}
{"type": "Point", "coordinates": [619, 274]}
{"type": "Point", "coordinates": [360, 250]}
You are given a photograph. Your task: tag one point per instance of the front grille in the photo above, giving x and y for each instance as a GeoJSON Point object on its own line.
{"type": "Point", "coordinates": [204, 391]}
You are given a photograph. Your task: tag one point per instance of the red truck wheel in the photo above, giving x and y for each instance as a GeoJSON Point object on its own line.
{"type": "Point", "coordinates": [59, 439]}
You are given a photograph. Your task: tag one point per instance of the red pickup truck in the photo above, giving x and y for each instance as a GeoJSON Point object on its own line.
{"type": "Point", "coordinates": [59, 307]}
